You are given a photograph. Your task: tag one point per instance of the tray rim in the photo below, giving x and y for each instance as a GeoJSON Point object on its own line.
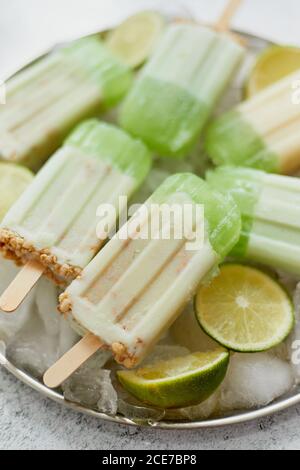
{"type": "Point", "coordinates": [237, 418]}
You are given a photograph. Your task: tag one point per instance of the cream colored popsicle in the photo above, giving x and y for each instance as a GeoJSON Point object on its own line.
{"type": "Point", "coordinates": [179, 87]}
{"type": "Point", "coordinates": [45, 101]}
{"type": "Point", "coordinates": [262, 133]}
{"type": "Point", "coordinates": [136, 286]}
{"type": "Point", "coordinates": [270, 209]}
{"type": "Point", "coordinates": [54, 222]}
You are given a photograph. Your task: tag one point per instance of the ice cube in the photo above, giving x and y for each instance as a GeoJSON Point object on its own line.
{"type": "Point", "coordinates": [37, 345]}
{"type": "Point", "coordinates": [46, 301]}
{"type": "Point", "coordinates": [254, 380]}
{"type": "Point", "coordinates": [10, 325]}
{"type": "Point", "coordinates": [91, 386]}
{"type": "Point", "coordinates": [108, 401]}
{"type": "Point", "coordinates": [55, 324]}
{"type": "Point", "coordinates": [197, 412]}
{"type": "Point", "coordinates": [187, 332]}
{"type": "Point", "coordinates": [140, 413]}
{"type": "Point", "coordinates": [32, 349]}
{"type": "Point", "coordinates": [132, 408]}
{"type": "Point", "coordinates": [67, 336]}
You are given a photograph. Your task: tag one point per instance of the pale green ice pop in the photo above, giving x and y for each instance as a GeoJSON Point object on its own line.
{"type": "Point", "coordinates": [263, 132]}
{"type": "Point", "coordinates": [54, 222]}
{"type": "Point", "coordinates": [270, 208]}
{"type": "Point", "coordinates": [135, 287]}
{"type": "Point", "coordinates": [179, 87]}
{"type": "Point", "coordinates": [45, 101]}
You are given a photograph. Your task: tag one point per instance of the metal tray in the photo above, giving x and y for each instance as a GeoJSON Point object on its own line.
{"type": "Point", "coordinates": [255, 44]}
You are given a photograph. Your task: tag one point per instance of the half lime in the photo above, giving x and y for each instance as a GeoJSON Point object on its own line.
{"type": "Point", "coordinates": [178, 382]}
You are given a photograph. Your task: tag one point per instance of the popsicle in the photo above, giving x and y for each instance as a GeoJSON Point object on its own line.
{"type": "Point", "coordinates": [135, 287]}
{"type": "Point", "coordinates": [179, 87]}
{"type": "Point", "coordinates": [262, 132]}
{"type": "Point", "coordinates": [46, 100]}
{"type": "Point", "coordinates": [52, 227]}
{"type": "Point", "coordinates": [270, 208]}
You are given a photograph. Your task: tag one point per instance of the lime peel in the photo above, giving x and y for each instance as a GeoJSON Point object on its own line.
{"type": "Point", "coordinates": [179, 382]}
{"type": "Point", "coordinates": [273, 64]}
{"type": "Point", "coordinates": [134, 40]}
{"type": "Point", "coordinates": [245, 310]}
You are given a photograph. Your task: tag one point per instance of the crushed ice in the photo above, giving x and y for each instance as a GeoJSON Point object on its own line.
{"type": "Point", "coordinates": [37, 335]}
{"type": "Point", "coordinates": [33, 334]}
{"type": "Point", "coordinates": [254, 380]}
{"type": "Point", "coordinates": [91, 385]}
{"type": "Point", "coordinates": [10, 325]}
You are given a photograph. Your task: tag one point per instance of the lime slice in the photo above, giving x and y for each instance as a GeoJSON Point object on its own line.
{"type": "Point", "coordinates": [272, 65]}
{"type": "Point", "coordinates": [178, 382]}
{"type": "Point", "coordinates": [14, 179]}
{"type": "Point", "coordinates": [244, 309]}
{"type": "Point", "coordinates": [134, 40]}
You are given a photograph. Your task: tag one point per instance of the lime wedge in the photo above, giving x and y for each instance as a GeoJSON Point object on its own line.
{"type": "Point", "coordinates": [134, 40]}
{"type": "Point", "coordinates": [244, 309]}
{"type": "Point", "coordinates": [178, 382]}
{"type": "Point", "coordinates": [14, 179]}
{"type": "Point", "coordinates": [272, 65]}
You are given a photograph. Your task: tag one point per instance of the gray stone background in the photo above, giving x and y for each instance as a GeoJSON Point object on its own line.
{"type": "Point", "coordinates": [29, 421]}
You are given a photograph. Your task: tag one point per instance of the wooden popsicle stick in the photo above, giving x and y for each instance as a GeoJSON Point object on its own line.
{"type": "Point", "coordinates": [16, 292]}
{"type": "Point", "coordinates": [223, 23]}
{"type": "Point", "coordinates": [72, 360]}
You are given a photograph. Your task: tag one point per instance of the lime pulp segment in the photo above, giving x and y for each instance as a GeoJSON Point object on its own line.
{"type": "Point", "coordinates": [244, 310]}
